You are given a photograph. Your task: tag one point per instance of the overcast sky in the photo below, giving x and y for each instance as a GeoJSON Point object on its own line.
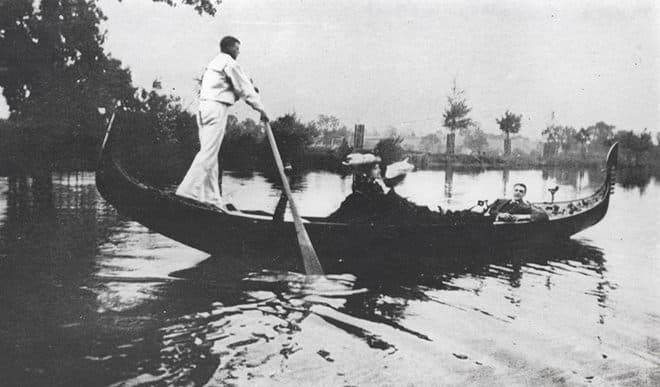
{"type": "Point", "coordinates": [392, 62]}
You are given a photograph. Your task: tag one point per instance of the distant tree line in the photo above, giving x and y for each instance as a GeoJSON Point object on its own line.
{"type": "Point", "coordinates": [595, 140]}
{"type": "Point", "coordinates": [562, 142]}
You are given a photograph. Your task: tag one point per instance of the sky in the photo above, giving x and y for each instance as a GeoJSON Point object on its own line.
{"type": "Point", "coordinates": [391, 63]}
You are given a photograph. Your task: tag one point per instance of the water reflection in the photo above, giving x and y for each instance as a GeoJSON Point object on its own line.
{"type": "Point", "coordinates": [449, 181]}
{"type": "Point", "coordinates": [505, 181]}
{"type": "Point", "coordinates": [249, 328]}
{"type": "Point", "coordinates": [634, 178]}
{"type": "Point", "coordinates": [91, 298]}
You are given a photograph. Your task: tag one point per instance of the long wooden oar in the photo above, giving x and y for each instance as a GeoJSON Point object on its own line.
{"type": "Point", "coordinates": [310, 260]}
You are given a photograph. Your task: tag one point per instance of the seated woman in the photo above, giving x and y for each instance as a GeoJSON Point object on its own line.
{"type": "Point", "coordinates": [368, 202]}
{"type": "Point", "coordinates": [364, 202]}
{"type": "Point", "coordinates": [396, 209]}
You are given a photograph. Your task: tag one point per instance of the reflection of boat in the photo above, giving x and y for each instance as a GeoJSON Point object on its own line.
{"type": "Point", "coordinates": [209, 229]}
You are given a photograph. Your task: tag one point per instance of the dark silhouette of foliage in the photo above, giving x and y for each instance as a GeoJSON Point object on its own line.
{"type": "Point", "coordinates": [635, 147]}
{"type": "Point", "coordinates": [509, 123]}
{"type": "Point", "coordinates": [241, 145]}
{"type": "Point", "coordinates": [389, 150]}
{"type": "Point", "coordinates": [201, 6]}
{"type": "Point", "coordinates": [343, 149]}
{"type": "Point", "coordinates": [56, 76]}
{"type": "Point", "coordinates": [61, 86]}
{"type": "Point", "coordinates": [292, 137]}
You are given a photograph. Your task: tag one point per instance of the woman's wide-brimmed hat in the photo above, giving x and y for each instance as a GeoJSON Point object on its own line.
{"type": "Point", "coordinates": [360, 159]}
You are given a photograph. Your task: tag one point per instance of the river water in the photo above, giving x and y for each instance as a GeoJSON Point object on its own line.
{"type": "Point", "coordinates": [91, 298]}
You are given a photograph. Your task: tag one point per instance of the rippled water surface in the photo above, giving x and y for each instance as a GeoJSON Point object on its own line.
{"type": "Point", "coordinates": [91, 298]}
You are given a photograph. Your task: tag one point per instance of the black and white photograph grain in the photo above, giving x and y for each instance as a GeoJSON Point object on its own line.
{"type": "Point", "coordinates": [303, 193]}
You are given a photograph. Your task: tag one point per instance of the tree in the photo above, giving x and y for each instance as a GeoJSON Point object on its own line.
{"type": "Point", "coordinates": [635, 147]}
{"type": "Point", "coordinates": [240, 147]}
{"type": "Point", "coordinates": [55, 76]}
{"type": "Point", "coordinates": [430, 142]}
{"type": "Point", "coordinates": [583, 136]}
{"type": "Point", "coordinates": [292, 137]}
{"type": "Point", "coordinates": [509, 123]}
{"type": "Point", "coordinates": [327, 123]}
{"type": "Point", "coordinates": [475, 140]}
{"type": "Point", "coordinates": [601, 136]}
{"type": "Point", "coordinates": [569, 135]}
{"type": "Point", "coordinates": [558, 138]}
{"type": "Point", "coordinates": [201, 6]}
{"type": "Point", "coordinates": [330, 128]}
{"type": "Point", "coordinates": [455, 115]}
{"type": "Point", "coordinates": [389, 150]}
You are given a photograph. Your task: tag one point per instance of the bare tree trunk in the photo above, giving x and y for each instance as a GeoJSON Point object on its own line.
{"type": "Point", "coordinates": [507, 145]}
{"type": "Point", "coordinates": [451, 138]}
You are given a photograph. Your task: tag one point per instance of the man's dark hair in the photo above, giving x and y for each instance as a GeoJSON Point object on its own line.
{"type": "Point", "coordinates": [228, 42]}
{"type": "Point", "coordinates": [521, 185]}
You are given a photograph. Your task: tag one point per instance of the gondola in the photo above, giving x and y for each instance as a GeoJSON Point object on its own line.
{"type": "Point", "coordinates": [209, 229]}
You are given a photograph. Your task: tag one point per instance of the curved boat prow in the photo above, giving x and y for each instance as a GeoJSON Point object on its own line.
{"type": "Point", "coordinates": [612, 161]}
{"type": "Point", "coordinates": [110, 135]}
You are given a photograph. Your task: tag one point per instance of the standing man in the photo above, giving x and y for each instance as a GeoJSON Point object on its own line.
{"type": "Point", "coordinates": [223, 83]}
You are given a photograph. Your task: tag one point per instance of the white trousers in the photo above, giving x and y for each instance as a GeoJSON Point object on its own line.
{"type": "Point", "coordinates": [201, 181]}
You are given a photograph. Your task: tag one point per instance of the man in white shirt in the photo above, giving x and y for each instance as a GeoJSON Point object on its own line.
{"type": "Point", "coordinates": [223, 83]}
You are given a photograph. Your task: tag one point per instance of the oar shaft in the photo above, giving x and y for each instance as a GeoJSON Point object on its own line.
{"type": "Point", "coordinates": [310, 259]}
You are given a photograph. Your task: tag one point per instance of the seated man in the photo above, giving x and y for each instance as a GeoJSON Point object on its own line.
{"type": "Point", "coordinates": [511, 210]}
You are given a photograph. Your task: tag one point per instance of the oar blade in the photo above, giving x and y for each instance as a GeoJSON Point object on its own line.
{"type": "Point", "coordinates": [310, 259]}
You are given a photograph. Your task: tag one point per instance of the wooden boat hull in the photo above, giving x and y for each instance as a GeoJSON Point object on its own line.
{"type": "Point", "coordinates": [208, 229]}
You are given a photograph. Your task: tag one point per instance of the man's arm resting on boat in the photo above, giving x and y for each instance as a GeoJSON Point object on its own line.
{"type": "Point", "coordinates": [506, 217]}
{"type": "Point", "coordinates": [535, 216]}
